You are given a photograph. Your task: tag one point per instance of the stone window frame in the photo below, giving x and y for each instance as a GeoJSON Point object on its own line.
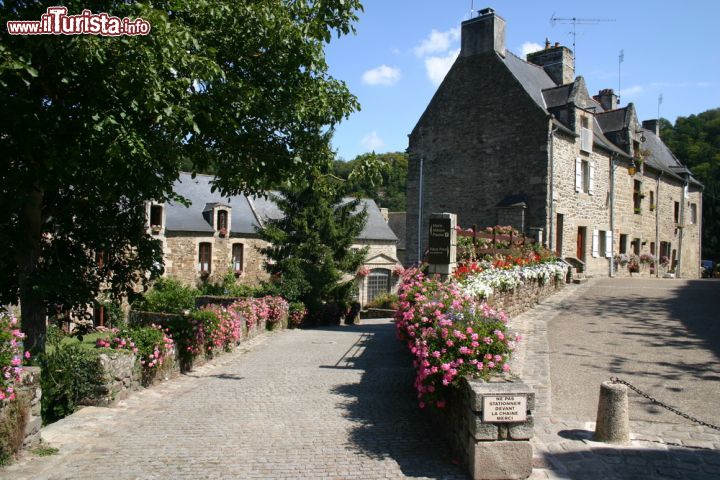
{"type": "Point", "coordinates": [623, 243]}
{"type": "Point", "coordinates": [204, 255]}
{"type": "Point", "coordinates": [235, 270]}
{"type": "Point", "coordinates": [693, 213]}
{"type": "Point", "coordinates": [375, 289]}
{"type": "Point", "coordinates": [156, 215]}
{"type": "Point", "coordinates": [221, 219]}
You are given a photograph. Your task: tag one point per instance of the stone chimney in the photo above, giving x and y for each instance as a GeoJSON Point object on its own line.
{"type": "Point", "coordinates": [385, 214]}
{"type": "Point", "coordinates": [652, 125]}
{"type": "Point", "coordinates": [557, 61]}
{"type": "Point", "coordinates": [484, 33]}
{"type": "Point", "coordinates": [607, 99]}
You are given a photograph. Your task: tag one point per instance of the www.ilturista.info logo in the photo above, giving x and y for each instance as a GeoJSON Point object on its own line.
{"type": "Point", "coordinates": [57, 22]}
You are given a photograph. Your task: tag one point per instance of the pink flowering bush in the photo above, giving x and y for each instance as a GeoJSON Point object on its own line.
{"type": "Point", "coordinates": [11, 355]}
{"type": "Point", "coordinates": [297, 313]}
{"type": "Point", "coordinates": [270, 310]}
{"type": "Point", "coordinates": [227, 331]}
{"type": "Point", "coordinates": [278, 309]}
{"type": "Point", "coordinates": [153, 345]}
{"type": "Point", "coordinates": [450, 334]}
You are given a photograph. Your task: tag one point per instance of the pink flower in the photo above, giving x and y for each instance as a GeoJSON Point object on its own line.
{"type": "Point", "coordinates": [27, 354]}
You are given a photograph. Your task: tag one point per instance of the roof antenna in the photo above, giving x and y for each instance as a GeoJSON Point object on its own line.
{"type": "Point", "coordinates": [574, 21]}
{"type": "Point", "coordinates": [472, 8]}
{"type": "Point", "coordinates": [660, 99]}
{"type": "Point", "coordinates": [621, 59]}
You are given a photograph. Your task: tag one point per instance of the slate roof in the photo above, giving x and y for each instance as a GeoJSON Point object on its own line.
{"type": "Point", "coordinates": [613, 120]}
{"type": "Point", "coordinates": [532, 77]}
{"type": "Point", "coordinates": [660, 157]}
{"type": "Point", "coordinates": [247, 213]}
{"type": "Point", "coordinates": [396, 222]}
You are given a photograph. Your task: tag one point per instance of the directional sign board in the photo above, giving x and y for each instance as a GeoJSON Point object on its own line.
{"type": "Point", "coordinates": [504, 408]}
{"type": "Point", "coordinates": [439, 241]}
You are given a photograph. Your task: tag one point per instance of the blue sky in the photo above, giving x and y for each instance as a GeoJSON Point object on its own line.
{"type": "Point", "coordinates": [402, 49]}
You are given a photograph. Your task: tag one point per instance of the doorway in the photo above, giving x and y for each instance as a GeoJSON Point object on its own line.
{"type": "Point", "coordinates": [559, 235]}
{"type": "Point", "coordinates": [581, 236]}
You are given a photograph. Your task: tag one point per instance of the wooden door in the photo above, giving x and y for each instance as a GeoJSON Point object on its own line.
{"type": "Point", "coordinates": [559, 235]}
{"type": "Point", "coordinates": [582, 232]}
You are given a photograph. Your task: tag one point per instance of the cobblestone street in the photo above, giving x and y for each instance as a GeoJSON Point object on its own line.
{"type": "Point", "coordinates": [320, 403]}
{"type": "Point", "coordinates": [661, 335]}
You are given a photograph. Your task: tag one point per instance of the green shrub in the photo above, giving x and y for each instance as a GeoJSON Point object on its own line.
{"type": "Point", "coordinates": [70, 374]}
{"type": "Point", "coordinates": [388, 301]}
{"type": "Point", "coordinates": [12, 429]}
{"type": "Point", "coordinates": [167, 296]}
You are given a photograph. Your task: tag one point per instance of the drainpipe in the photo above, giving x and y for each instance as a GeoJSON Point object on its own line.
{"type": "Point", "coordinates": [657, 225]}
{"type": "Point", "coordinates": [551, 229]}
{"type": "Point", "coordinates": [682, 229]}
{"type": "Point", "coordinates": [613, 156]}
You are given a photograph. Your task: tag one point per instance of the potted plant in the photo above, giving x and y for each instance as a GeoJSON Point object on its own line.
{"type": "Point", "coordinates": [155, 229]}
{"type": "Point", "coordinates": [652, 207]}
{"type": "Point", "coordinates": [638, 210]}
{"type": "Point", "coordinates": [223, 232]}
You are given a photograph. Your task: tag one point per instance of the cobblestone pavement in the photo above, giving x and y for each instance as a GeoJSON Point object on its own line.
{"type": "Point", "coordinates": [671, 350]}
{"type": "Point", "coordinates": [319, 403]}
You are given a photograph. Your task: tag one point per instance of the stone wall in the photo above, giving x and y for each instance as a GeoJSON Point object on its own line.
{"type": "Point", "coordinates": [514, 302]}
{"type": "Point", "coordinates": [20, 419]}
{"type": "Point", "coordinates": [120, 373]}
{"type": "Point", "coordinates": [181, 251]}
{"type": "Point", "coordinates": [481, 138]}
{"type": "Point", "coordinates": [487, 450]}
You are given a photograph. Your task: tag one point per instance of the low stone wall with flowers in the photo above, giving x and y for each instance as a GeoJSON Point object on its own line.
{"type": "Point", "coordinates": [20, 420]}
{"type": "Point", "coordinates": [513, 289]}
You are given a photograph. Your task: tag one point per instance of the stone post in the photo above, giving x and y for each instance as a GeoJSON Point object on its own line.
{"type": "Point", "coordinates": [613, 423]}
{"type": "Point", "coordinates": [489, 426]}
{"type": "Point", "coordinates": [442, 244]}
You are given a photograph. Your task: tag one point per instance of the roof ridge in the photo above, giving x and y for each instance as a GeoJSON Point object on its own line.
{"type": "Point", "coordinates": [523, 60]}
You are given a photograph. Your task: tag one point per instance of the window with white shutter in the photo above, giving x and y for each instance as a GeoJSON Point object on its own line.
{"type": "Point", "coordinates": [595, 242]}
{"type": "Point", "coordinates": [591, 178]}
{"type": "Point", "coordinates": [586, 140]}
{"type": "Point", "coordinates": [578, 175]}
{"type": "Point", "coordinates": [608, 243]}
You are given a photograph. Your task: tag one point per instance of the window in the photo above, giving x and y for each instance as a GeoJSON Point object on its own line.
{"type": "Point", "coordinates": [636, 196]}
{"type": "Point", "coordinates": [586, 135]}
{"type": "Point", "coordinates": [204, 257]}
{"type": "Point", "coordinates": [584, 173]}
{"type": "Point", "coordinates": [677, 212]}
{"type": "Point", "coordinates": [378, 283]}
{"type": "Point", "coordinates": [665, 249]}
{"type": "Point", "coordinates": [623, 243]}
{"type": "Point", "coordinates": [237, 257]}
{"type": "Point", "coordinates": [602, 243]}
{"type": "Point", "coordinates": [652, 200]}
{"type": "Point", "coordinates": [636, 246]}
{"type": "Point", "coordinates": [693, 213]}
{"type": "Point", "coordinates": [652, 248]}
{"type": "Point", "coordinates": [222, 217]}
{"type": "Point", "coordinates": [156, 214]}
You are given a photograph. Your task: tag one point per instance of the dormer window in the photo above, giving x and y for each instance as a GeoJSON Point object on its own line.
{"type": "Point", "coordinates": [156, 218]}
{"type": "Point", "coordinates": [205, 258]}
{"type": "Point", "coordinates": [222, 222]}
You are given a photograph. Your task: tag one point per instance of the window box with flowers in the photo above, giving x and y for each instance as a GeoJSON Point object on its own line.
{"type": "Point", "coordinates": [223, 232]}
{"type": "Point", "coordinates": [638, 210]}
{"type": "Point", "coordinates": [155, 229]}
{"type": "Point", "coordinates": [652, 207]}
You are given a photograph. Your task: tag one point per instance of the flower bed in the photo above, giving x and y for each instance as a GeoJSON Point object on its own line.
{"type": "Point", "coordinates": [483, 283]}
{"type": "Point", "coordinates": [451, 334]}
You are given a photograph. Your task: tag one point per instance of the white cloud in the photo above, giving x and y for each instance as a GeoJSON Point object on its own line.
{"type": "Point", "coordinates": [631, 91]}
{"type": "Point", "coordinates": [437, 67]}
{"type": "Point", "coordinates": [372, 142]}
{"type": "Point", "coordinates": [530, 47]}
{"type": "Point", "coordinates": [437, 42]}
{"type": "Point", "coordinates": [382, 75]}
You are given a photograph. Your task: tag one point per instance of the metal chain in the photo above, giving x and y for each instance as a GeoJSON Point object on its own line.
{"type": "Point", "coordinates": [663, 405]}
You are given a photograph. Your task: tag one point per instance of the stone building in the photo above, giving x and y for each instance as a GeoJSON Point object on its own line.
{"type": "Point", "coordinates": [216, 235]}
{"type": "Point", "coordinates": [521, 142]}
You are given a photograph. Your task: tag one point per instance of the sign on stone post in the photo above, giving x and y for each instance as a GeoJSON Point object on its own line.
{"type": "Point", "coordinates": [442, 243]}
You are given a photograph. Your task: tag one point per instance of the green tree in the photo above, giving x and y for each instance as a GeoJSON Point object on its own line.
{"type": "Point", "coordinates": [695, 140]}
{"type": "Point", "coordinates": [91, 127]}
{"type": "Point", "coordinates": [389, 192]}
{"type": "Point", "coordinates": [310, 253]}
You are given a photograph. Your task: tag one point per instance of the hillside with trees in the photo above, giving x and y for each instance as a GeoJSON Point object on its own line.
{"type": "Point", "coordinates": [389, 191]}
{"type": "Point", "coordinates": [695, 140]}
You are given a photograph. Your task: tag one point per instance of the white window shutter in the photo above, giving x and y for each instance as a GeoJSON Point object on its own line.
{"type": "Point", "coordinates": [595, 242]}
{"type": "Point", "coordinates": [608, 243]}
{"type": "Point", "coordinates": [591, 182]}
{"type": "Point", "coordinates": [578, 175]}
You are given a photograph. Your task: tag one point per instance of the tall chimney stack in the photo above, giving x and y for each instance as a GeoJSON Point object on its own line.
{"type": "Point", "coordinates": [652, 125]}
{"type": "Point", "coordinates": [484, 33]}
{"type": "Point", "coordinates": [607, 99]}
{"type": "Point", "coordinates": [557, 61]}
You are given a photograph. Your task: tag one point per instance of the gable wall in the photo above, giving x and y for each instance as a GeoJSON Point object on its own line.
{"type": "Point", "coordinates": [481, 138]}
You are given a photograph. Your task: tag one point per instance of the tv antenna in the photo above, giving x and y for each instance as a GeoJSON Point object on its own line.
{"type": "Point", "coordinates": [574, 21]}
{"type": "Point", "coordinates": [621, 59]}
{"type": "Point", "coordinates": [660, 100]}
